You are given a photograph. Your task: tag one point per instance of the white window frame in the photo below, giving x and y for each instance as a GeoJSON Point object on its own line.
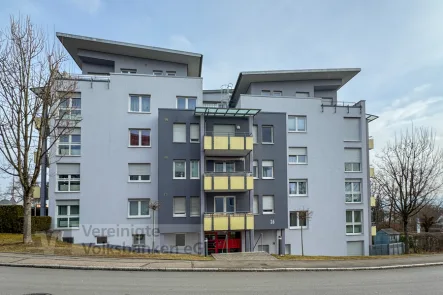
{"type": "Point", "coordinates": [352, 192]}
{"type": "Point", "coordinates": [268, 210]}
{"type": "Point", "coordinates": [69, 180]}
{"type": "Point", "coordinates": [255, 134]}
{"type": "Point", "coordinates": [225, 198]}
{"type": "Point", "coordinates": [69, 116]}
{"type": "Point", "coordinates": [181, 214]}
{"type": "Point", "coordinates": [186, 98]}
{"type": "Point", "coordinates": [194, 140]}
{"type": "Point", "coordinates": [297, 187]}
{"type": "Point", "coordinates": [139, 207]}
{"type": "Point", "coordinates": [171, 73]}
{"type": "Point", "coordinates": [69, 144]}
{"type": "Point", "coordinates": [173, 169]}
{"type": "Point", "coordinates": [297, 157]}
{"type": "Point", "coordinates": [140, 104]}
{"type": "Point", "coordinates": [174, 140]}
{"type": "Point", "coordinates": [128, 71]}
{"type": "Point", "coordinates": [140, 138]}
{"type": "Point", "coordinates": [68, 216]}
{"type": "Point", "coordinates": [272, 134]}
{"type": "Point", "coordinates": [298, 226]}
{"type": "Point", "coordinates": [139, 176]}
{"type": "Point", "coordinates": [351, 167]}
{"type": "Point", "coordinates": [255, 168]}
{"type": "Point", "coordinates": [296, 118]}
{"type": "Point", "coordinates": [194, 214]}
{"type": "Point", "coordinates": [225, 165]}
{"type": "Point", "coordinates": [198, 169]}
{"type": "Point", "coordinates": [137, 241]}
{"type": "Point", "coordinates": [156, 72]}
{"type": "Point", "coordinates": [263, 166]}
{"type": "Point", "coordinates": [353, 223]}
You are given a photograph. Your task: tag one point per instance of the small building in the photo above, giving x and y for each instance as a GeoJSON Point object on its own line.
{"type": "Point", "coordinates": [5, 202]}
{"type": "Point", "coordinates": [387, 236]}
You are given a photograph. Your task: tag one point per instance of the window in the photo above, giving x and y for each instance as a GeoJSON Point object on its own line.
{"type": "Point", "coordinates": [69, 240]}
{"type": "Point", "coordinates": [353, 222]}
{"type": "Point", "coordinates": [179, 207]}
{"type": "Point", "coordinates": [224, 204]}
{"type": "Point", "coordinates": [297, 123]}
{"type": "Point", "coordinates": [140, 103]}
{"type": "Point", "coordinates": [195, 133]}
{"type": "Point", "coordinates": [195, 207]}
{"type": "Point", "coordinates": [179, 169]}
{"type": "Point", "coordinates": [128, 71]}
{"type": "Point", "coordinates": [186, 103]}
{"type": "Point", "coordinates": [298, 187]}
{"type": "Point", "coordinates": [68, 214]}
{"type": "Point", "coordinates": [70, 108]}
{"type": "Point", "coordinates": [266, 92]}
{"type": "Point", "coordinates": [298, 155]}
{"type": "Point", "coordinates": [180, 240]}
{"type": "Point", "coordinates": [171, 73]}
{"type": "Point", "coordinates": [277, 93]}
{"type": "Point", "coordinates": [139, 172]}
{"type": "Point", "coordinates": [138, 208]}
{"type": "Point", "coordinates": [255, 133]}
{"type": "Point", "coordinates": [353, 191]}
{"type": "Point", "coordinates": [255, 169]}
{"type": "Point", "coordinates": [102, 240]}
{"type": "Point", "coordinates": [268, 169]}
{"type": "Point", "coordinates": [298, 219]}
{"type": "Point", "coordinates": [195, 169]}
{"type": "Point", "coordinates": [138, 240]}
{"type": "Point", "coordinates": [140, 137]}
{"type": "Point", "coordinates": [267, 134]}
{"type": "Point", "coordinates": [255, 205]}
{"type": "Point", "coordinates": [179, 133]}
{"type": "Point", "coordinates": [157, 73]}
{"type": "Point", "coordinates": [302, 94]}
{"type": "Point", "coordinates": [268, 204]}
{"type": "Point", "coordinates": [352, 129]}
{"type": "Point", "coordinates": [69, 142]}
{"type": "Point", "coordinates": [224, 167]}
{"type": "Point", "coordinates": [68, 177]}
{"type": "Point", "coordinates": [352, 160]}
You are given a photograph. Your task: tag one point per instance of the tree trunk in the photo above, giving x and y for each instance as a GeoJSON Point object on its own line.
{"type": "Point", "coordinates": [27, 236]}
{"type": "Point", "coordinates": [406, 232]}
{"type": "Point", "coordinates": [301, 234]}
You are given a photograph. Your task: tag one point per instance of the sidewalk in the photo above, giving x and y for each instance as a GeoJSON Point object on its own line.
{"type": "Point", "coordinates": [62, 262]}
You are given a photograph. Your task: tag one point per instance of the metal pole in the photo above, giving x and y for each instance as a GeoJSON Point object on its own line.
{"type": "Point", "coordinates": [44, 163]}
{"type": "Point", "coordinates": [279, 246]}
{"type": "Point", "coordinates": [261, 241]}
{"type": "Point", "coordinates": [153, 231]}
{"type": "Point", "coordinates": [206, 247]}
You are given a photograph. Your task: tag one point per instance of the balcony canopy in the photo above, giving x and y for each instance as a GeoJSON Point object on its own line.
{"type": "Point", "coordinates": [222, 112]}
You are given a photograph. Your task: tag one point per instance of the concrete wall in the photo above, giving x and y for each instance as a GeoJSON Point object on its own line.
{"type": "Point", "coordinates": [142, 65]}
{"type": "Point", "coordinates": [105, 154]}
{"type": "Point", "coordinates": [324, 139]}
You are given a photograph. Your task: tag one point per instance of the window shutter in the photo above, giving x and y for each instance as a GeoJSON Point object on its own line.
{"type": "Point", "coordinates": [139, 169]}
{"type": "Point", "coordinates": [67, 203]}
{"type": "Point", "coordinates": [224, 130]}
{"type": "Point", "coordinates": [299, 151]}
{"type": "Point", "coordinates": [195, 206]}
{"type": "Point", "coordinates": [195, 131]}
{"type": "Point", "coordinates": [352, 155]}
{"type": "Point", "coordinates": [268, 163]}
{"type": "Point", "coordinates": [68, 169]}
{"type": "Point", "coordinates": [268, 202]}
{"type": "Point", "coordinates": [179, 133]}
{"type": "Point", "coordinates": [179, 205]}
{"type": "Point", "coordinates": [352, 129]}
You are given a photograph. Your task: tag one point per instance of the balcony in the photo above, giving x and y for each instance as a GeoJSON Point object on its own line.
{"type": "Point", "coordinates": [371, 143]}
{"type": "Point", "coordinates": [227, 144]}
{"type": "Point", "coordinates": [373, 230]}
{"type": "Point", "coordinates": [373, 202]}
{"type": "Point", "coordinates": [228, 221]}
{"type": "Point", "coordinates": [228, 182]}
{"type": "Point", "coordinates": [371, 172]}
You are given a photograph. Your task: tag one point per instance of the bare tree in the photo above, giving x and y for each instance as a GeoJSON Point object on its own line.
{"type": "Point", "coordinates": [410, 172]}
{"type": "Point", "coordinates": [303, 218]}
{"type": "Point", "coordinates": [31, 92]}
{"type": "Point", "coordinates": [154, 206]}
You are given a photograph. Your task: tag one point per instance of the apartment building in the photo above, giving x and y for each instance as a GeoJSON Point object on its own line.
{"type": "Point", "coordinates": [234, 169]}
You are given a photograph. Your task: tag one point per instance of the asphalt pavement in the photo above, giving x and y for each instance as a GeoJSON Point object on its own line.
{"type": "Point", "coordinates": [19, 281]}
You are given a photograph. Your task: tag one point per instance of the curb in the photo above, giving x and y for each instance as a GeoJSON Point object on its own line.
{"type": "Point", "coordinates": [208, 269]}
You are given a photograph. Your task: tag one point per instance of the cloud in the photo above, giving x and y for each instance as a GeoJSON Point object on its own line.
{"type": "Point", "coordinates": [422, 87]}
{"type": "Point", "coordinates": [90, 6]}
{"type": "Point", "coordinates": [180, 42]}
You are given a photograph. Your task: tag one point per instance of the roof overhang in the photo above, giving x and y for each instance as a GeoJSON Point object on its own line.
{"type": "Point", "coordinates": [246, 78]}
{"type": "Point", "coordinates": [222, 112]}
{"type": "Point", "coordinates": [74, 43]}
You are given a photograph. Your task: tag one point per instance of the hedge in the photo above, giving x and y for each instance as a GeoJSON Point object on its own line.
{"type": "Point", "coordinates": [11, 220]}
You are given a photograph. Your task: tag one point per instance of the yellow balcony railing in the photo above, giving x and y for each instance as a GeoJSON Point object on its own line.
{"type": "Point", "coordinates": [373, 203]}
{"type": "Point", "coordinates": [371, 172]}
{"type": "Point", "coordinates": [373, 230]}
{"type": "Point", "coordinates": [36, 192]}
{"type": "Point", "coordinates": [225, 182]}
{"type": "Point", "coordinates": [228, 221]}
{"type": "Point", "coordinates": [227, 144]}
{"type": "Point", "coordinates": [371, 143]}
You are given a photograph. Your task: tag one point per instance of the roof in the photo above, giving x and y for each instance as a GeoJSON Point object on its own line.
{"type": "Point", "coordinates": [223, 112]}
{"type": "Point", "coordinates": [73, 43]}
{"type": "Point", "coordinates": [5, 202]}
{"type": "Point", "coordinates": [390, 231]}
{"type": "Point", "coordinates": [246, 78]}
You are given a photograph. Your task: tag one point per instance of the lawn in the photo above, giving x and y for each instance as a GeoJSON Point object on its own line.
{"type": "Point", "coordinates": [43, 245]}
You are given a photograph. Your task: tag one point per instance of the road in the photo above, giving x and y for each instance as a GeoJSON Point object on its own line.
{"type": "Point", "coordinates": [401, 281]}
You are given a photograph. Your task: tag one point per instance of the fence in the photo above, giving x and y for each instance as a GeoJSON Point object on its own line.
{"type": "Point", "coordinates": [387, 249]}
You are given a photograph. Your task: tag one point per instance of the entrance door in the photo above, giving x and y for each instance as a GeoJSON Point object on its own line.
{"type": "Point", "coordinates": [223, 242]}
{"type": "Point", "coordinates": [224, 130]}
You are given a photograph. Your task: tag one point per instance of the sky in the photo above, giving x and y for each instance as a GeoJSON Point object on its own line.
{"type": "Point", "coordinates": [398, 44]}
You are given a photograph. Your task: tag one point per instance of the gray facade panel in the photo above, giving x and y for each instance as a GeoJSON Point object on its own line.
{"type": "Point", "coordinates": [289, 88]}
